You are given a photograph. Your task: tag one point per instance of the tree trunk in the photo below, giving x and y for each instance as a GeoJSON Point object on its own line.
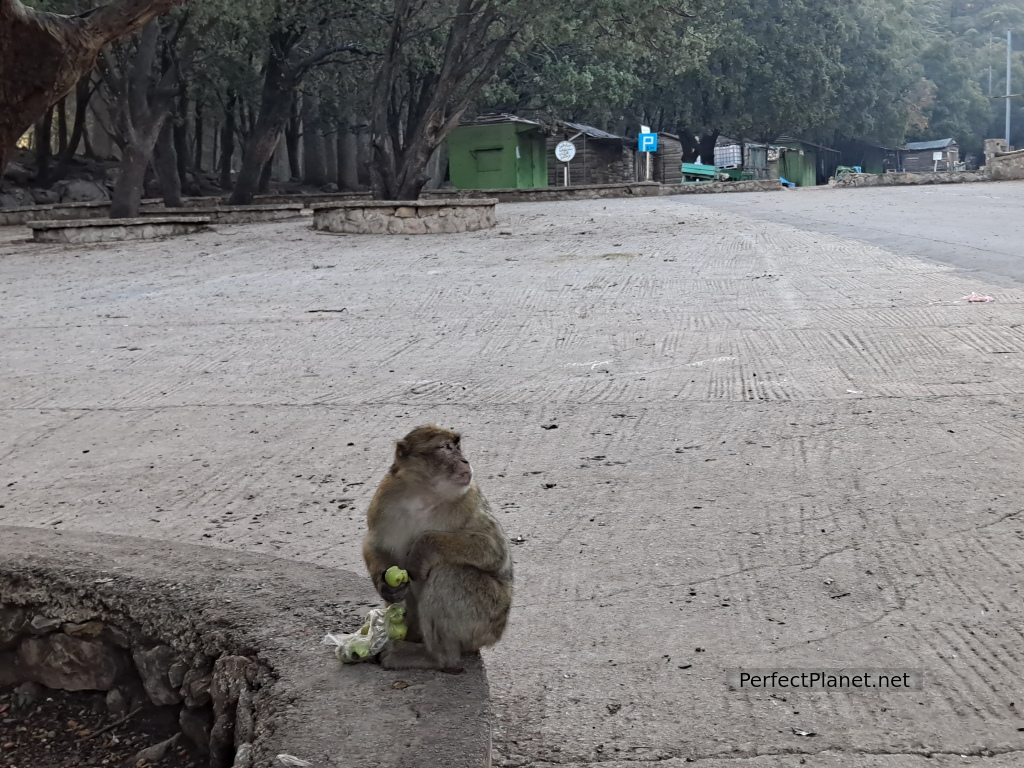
{"type": "Point", "coordinates": [268, 170]}
{"type": "Point", "coordinates": [43, 56]}
{"type": "Point", "coordinates": [83, 92]}
{"type": "Point", "coordinates": [291, 137]}
{"type": "Point", "coordinates": [706, 148]}
{"type": "Point", "coordinates": [313, 171]}
{"type": "Point", "coordinates": [127, 197]}
{"type": "Point", "coordinates": [197, 164]}
{"type": "Point", "coordinates": [166, 164]}
{"type": "Point", "coordinates": [145, 115]}
{"type": "Point", "coordinates": [62, 126]}
{"type": "Point", "coordinates": [348, 158]}
{"type": "Point", "coordinates": [44, 146]}
{"type": "Point", "coordinates": [330, 145]}
{"type": "Point", "coordinates": [276, 102]}
{"type": "Point", "coordinates": [180, 131]}
{"type": "Point", "coordinates": [227, 142]}
{"type": "Point", "coordinates": [260, 149]}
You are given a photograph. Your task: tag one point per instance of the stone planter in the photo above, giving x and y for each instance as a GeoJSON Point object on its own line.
{"type": "Point", "coordinates": [415, 217]}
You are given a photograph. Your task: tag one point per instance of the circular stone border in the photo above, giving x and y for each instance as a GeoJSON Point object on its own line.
{"type": "Point", "coordinates": [398, 217]}
{"type": "Point", "coordinates": [239, 634]}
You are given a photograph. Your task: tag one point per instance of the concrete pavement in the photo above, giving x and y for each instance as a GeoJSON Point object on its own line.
{"type": "Point", "coordinates": [977, 228]}
{"type": "Point", "coordinates": [774, 448]}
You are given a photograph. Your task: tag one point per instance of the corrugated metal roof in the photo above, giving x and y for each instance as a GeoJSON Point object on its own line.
{"type": "Point", "coordinates": [940, 144]}
{"type": "Point", "coordinates": [499, 118]}
{"type": "Point", "coordinates": [591, 131]}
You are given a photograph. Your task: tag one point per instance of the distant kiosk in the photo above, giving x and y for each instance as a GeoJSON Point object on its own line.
{"type": "Point", "coordinates": [564, 152]}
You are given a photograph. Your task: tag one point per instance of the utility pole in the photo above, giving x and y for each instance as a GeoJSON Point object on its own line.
{"type": "Point", "coordinates": [1009, 61]}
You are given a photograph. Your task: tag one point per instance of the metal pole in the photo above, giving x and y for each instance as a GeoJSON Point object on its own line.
{"type": "Point", "coordinates": [1009, 60]}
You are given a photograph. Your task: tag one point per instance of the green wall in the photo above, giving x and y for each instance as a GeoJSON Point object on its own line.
{"type": "Point", "coordinates": [802, 170]}
{"type": "Point", "coordinates": [485, 157]}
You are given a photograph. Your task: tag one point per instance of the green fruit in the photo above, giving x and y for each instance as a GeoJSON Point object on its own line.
{"type": "Point", "coordinates": [395, 576]}
{"type": "Point", "coordinates": [360, 649]}
{"type": "Point", "coordinates": [395, 612]}
{"type": "Point", "coordinates": [397, 631]}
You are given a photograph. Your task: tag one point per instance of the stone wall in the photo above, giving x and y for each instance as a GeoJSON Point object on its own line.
{"type": "Point", "coordinates": [904, 179]}
{"type": "Point", "coordinates": [116, 230]}
{"type": "Point", "coordinates": [80, 649]}
{"type": "Point", "coordinates": [548, 194]}
{"type": "Point", "coordinates": [417, 217]}
{"type": "Point", "coordinates": [55, 212]}
{"type": "Point", "coordinates": [233, 214]}
{"type": "Point", "coordinates": [236, 640]}
{"type": "Point", "coordinates": [1008, 166]}
{"type": "Point", "coordinates": [711, 187]}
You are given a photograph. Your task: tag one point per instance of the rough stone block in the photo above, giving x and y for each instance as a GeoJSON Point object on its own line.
{"type": "Point", "coordinates": [13, 622]}
{"type": "Point", "coordinates": [405, 212]}
{"type": "Point", "coordinates": [69, 663]}
{"type": "Point", "coordinates": [154, 666]}
{"type": "Point", "coordinates": [415, 227]}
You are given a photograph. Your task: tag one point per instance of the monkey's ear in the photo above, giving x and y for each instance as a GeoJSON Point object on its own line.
{"type": "Point", "coordinates": [401, 449]}
{"type": "Point", "coordinates": [457, 438]}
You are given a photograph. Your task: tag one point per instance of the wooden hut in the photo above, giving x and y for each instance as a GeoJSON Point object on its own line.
{"type": "Point", "coordinates": [601, 157]}
{"type": "Point", "coordinates": [668, 160]}
{"type": "Point", "coordinates": [923, 156]}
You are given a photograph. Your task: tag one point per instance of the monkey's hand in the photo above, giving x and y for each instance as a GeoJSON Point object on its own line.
{"type": "Point", "coordinates": [389, 593]}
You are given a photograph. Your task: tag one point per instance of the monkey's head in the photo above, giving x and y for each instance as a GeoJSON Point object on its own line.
{"type": "Point", "coordinates": [432, 456]}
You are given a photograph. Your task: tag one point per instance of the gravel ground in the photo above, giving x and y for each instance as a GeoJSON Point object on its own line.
{"type": "Point", "coordinates": [65, 729]}
{"type": "Point", "coordinates": [724, 442]}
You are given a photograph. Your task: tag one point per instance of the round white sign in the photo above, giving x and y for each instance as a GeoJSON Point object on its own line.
{"type": "Point", "coordinates": [565, 151]}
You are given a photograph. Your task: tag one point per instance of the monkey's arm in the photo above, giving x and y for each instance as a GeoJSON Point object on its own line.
{"type": "Point", "coordinates": [377, 562]}
{"type": "Point", "coordinates": [486, 551]}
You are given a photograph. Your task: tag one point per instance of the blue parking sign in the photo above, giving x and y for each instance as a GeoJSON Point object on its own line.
{"type": "Point", "coordinates": [648, 142]}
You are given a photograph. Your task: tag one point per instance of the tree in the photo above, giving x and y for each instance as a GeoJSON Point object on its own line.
{"type": "Point", "coordinates": [44, 55]}
{"type": "Point", "coordinates": [299, 37]}
{"type": "Point", "coordinates": [142, 81]}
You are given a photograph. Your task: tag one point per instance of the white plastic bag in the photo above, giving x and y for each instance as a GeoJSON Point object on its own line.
{"type": "Point", "coordinates": [381, 625]}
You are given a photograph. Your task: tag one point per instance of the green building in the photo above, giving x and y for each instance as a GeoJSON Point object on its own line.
{"type": "Point", "coordinates": [498, 152]}
{"type": "Point", "coordinates": [804, 163]}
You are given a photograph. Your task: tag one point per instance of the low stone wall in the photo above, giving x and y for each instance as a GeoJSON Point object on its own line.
{"type": "Point", "coordinates": [93, 210]}
{"type": "Point", "coordinates": [55, 212]}
{"type": "Point", "coordinates": [905, 179]}
{"type": "Point", "coordinates": [116, 230]}
{"type": "Point", "coordinates": [311, 200]}
{"type": "Point", "coordinates": [547, 194]}
{"type": "Point", "coordinates": [713, 187]}
{"type": "Point", "coordinates": [233, 214]}
{"type": "Point", "coordinates": [72, 649]}
{"type": "Point", "coordinates": [415, 217]}
{"type": "Point", "coordinates": [229, 643]}
{"type": "Point", "coordinates": [1006, 166]}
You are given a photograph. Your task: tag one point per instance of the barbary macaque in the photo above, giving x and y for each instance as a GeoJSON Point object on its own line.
{"type": "Point", "coordinates": [429, 517]}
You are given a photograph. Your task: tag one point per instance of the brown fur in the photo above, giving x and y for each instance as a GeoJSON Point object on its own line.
{"type": "Point", "coordinates": [429, 517]}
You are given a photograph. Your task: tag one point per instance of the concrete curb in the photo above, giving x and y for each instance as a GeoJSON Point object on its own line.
{"type": "Point", "coordinates": [215, 601]}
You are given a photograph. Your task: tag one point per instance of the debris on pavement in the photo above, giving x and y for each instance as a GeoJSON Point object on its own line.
{"type": "Point", "coordinates": [294, 762]}
{"type": "Point", "coordinates": [798, 732]}
{"type": "Point", "coordinates": [977, 297]}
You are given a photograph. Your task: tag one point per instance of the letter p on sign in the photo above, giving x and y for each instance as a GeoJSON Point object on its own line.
{"type": "Point", "coordinates": [648, 142]}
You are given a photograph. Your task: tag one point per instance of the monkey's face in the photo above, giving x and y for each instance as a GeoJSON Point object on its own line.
{"type": "Point", "coordinates": [435, 456]}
